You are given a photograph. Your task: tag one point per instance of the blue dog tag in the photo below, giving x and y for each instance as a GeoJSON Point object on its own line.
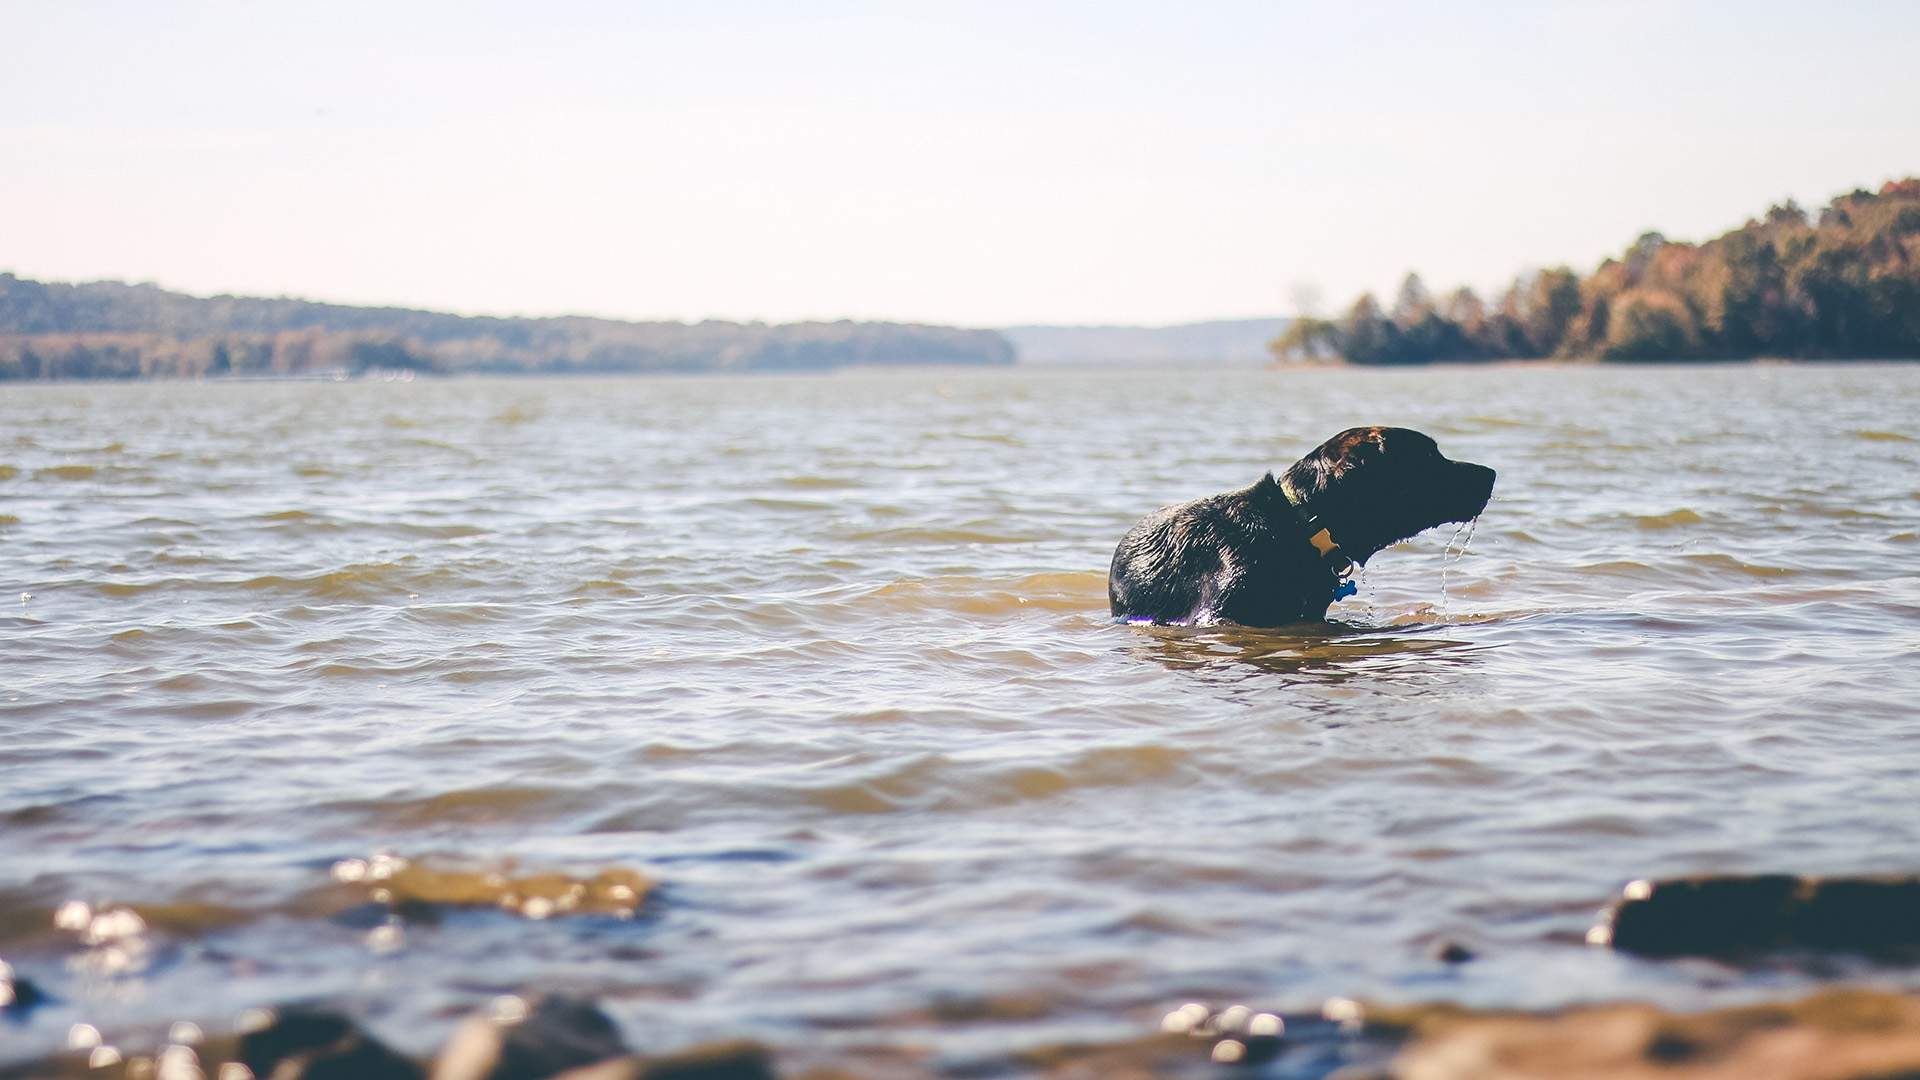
{"type": "Point", "coordinates": [1347, 588]}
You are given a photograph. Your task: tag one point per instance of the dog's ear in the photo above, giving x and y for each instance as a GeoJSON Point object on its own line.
{"type": "Point", "coordinates": [1349, 450]}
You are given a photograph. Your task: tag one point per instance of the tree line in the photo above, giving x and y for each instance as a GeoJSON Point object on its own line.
{"type": "Point", "coordinates": [110, 330]}
{"type": "Point", "coordinates": [1844, 284]}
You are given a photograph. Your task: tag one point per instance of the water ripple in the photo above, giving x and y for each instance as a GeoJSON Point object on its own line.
{"type": "Point", "coordinates": [831, 658]}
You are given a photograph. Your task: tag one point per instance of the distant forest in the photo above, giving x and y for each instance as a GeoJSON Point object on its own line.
{"type": "Point", "coordinates": [1843, 285]}
{"type": "Point", "coordinates": [109, 330]}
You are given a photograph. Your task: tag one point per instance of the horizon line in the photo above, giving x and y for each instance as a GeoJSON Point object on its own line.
{"type": "Point", "coordinates": [473, 314]}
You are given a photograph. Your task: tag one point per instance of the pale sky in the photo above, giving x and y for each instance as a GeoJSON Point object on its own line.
{"type": "Point", "coordinates": [973, 163]}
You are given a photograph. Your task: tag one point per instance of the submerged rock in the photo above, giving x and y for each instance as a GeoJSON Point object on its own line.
{"type": "Point", "coordinates": [1836, 1035]}
{"type": "Point", "coordinates": [305, 1043]}
{"type": "Point", "coordinates": [1732, 915]}
{"type": "Point", "coordinates": [19, 995]}
{"type": "Point", "coordinates": [415, 891]}
{"type": "Point", "coordinates": [526, 1039]}
{"type": "Point", "coordinates": [532, 1038]}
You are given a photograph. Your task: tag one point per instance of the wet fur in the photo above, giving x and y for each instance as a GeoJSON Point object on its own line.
{"type": "Point", "coordinates": [1243, 556]}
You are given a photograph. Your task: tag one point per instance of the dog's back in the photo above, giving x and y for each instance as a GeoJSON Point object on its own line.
{"type": "Point", "coordinates": [1222, 557]}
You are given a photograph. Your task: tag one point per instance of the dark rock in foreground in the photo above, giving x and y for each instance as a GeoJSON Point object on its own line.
{"type": "Point", "coordinates": [525, 1039]}
{"type": "Point", "coordinates": [19, 995]}
{"type": "Point", "coordinates": [519, 1039]}
{"type": "Point", "coordinates": [1731, 916]}
{"type": "Point", "coordinates": [1835, 1035]}
{"type": "Point", "coordinates": [316, 1044]}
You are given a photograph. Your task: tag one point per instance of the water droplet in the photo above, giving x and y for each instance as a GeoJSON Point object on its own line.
{"type": "Point", "coordinates": [103, 1056]}
{"type": "Point", "coordinates": [1229, 1052]}
{"type": "Point", "coordinates": [82, 1036]}
{"type": "Point", "coordinates": [1638, 890]}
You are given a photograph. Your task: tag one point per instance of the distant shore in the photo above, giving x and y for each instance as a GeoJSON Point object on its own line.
{"type": "Point", "coordinates": [1786, 285]}
{"type": "Point", "coordinates": [110, 330]}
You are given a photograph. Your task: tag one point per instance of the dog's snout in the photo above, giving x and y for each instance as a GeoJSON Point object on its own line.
{"type": "Point", "coordinates": [1476, 484]}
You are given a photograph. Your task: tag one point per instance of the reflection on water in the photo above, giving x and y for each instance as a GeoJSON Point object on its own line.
{"type": "Point", "coordinates": [828, 661]}
{"type": "Point", "coordinates": [1333, 652]}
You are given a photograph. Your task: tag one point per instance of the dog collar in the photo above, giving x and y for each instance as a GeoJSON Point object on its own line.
{"type": "Point", "coordinates": [1322, 540]}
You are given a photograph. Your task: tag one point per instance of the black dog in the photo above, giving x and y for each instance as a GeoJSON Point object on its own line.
{"type": "Point", "coordinates": [1280, 551]}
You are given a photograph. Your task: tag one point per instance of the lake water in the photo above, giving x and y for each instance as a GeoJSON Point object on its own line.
{"type": "Point", "coordinates": [830, 659]}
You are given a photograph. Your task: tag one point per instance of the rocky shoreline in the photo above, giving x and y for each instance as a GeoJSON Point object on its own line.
{"type": "Point", "coordinates": [1838, 1033]}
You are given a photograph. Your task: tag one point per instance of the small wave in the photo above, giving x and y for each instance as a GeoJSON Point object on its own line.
{"type": "Point", "coordinates": [8, 472]}
{"type": "Point", "coordinates": [435, 532]}
{"type": "Point", "coordinates": [992, 438]}
{"type": "Point", "coordinates": [466, 806]}
{"type": "Point", "coordinates": [285, 517]}
{"type": "Point", "coordinates": [132, 588]}
{"type": "Point", "coordinates": [606, 588]}
{"type": "Point", "coordinates": [1052, 591]}
{"type": "Point", "coordinates": [440, 444]}
{"type": "Point", "coordinates": [926, 535]}
{"type": "Point", "coordinates": [779, 505]}
{"type": "Point", "coordinates": [1489, 423]}
{"type": "Point", "coordinates": [941, 783]}
{"type": "Point", "coordinates": [1718, 561]}
{"type": "Point", "coordinates": [67, 472]}
{"type": "Point", "coordinates": [1872, 435]}
{"type": "Point", "coordinates": [359, 582]}
{"type": "Point", "coordinates": [1429, 615]}
{"type": "Point", "coordinates": [1616, 568]}
{"type": "Point", "coordinates": [1111, 766]}
{"type": "Point", "coordinates": [515, 415]}
{"type": "Point", "coordinates": [8, 519]}
{"type": "Point", "coordinates": [819, 483]}
{"type": "Point", "coordinates": [1670, 520]}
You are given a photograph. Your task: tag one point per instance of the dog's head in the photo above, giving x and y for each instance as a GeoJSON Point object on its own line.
{"type": "Point", "coordinates": [1376, 486]}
